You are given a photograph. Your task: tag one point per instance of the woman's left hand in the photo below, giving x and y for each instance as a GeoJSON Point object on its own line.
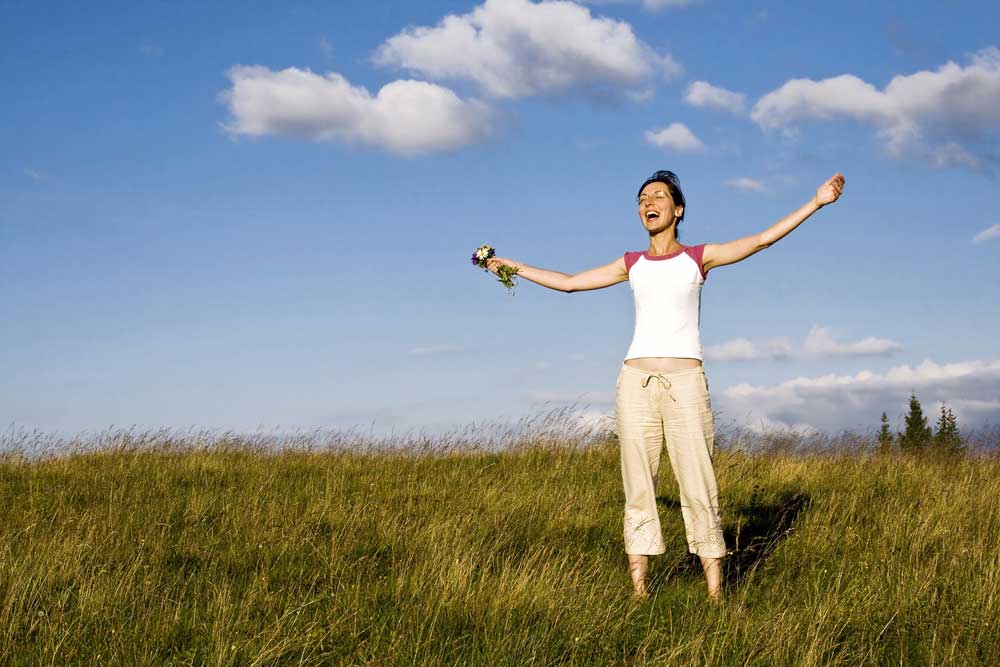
{"type": "Point", "coordinates": [830, 191]}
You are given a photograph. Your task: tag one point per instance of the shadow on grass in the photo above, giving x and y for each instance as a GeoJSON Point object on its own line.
{"type": "Point", "coordinates": [752, 531]}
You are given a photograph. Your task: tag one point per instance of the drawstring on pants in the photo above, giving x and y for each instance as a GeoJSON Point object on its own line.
{"type": "Point", "coordinates": [664, 381]}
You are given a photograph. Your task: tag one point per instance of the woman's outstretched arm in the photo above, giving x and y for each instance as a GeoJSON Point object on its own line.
{"type": "Point", "coordinates": [602, 276]}
{"type": "Point", "coordinates": [720, 254]}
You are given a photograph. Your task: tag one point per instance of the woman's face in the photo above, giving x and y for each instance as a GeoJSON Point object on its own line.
{"type": "Point", "coordinates": [656, 207]}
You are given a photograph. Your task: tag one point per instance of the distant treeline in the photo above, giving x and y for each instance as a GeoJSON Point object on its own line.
{"type": "Point", "coordinates": [917, 437]}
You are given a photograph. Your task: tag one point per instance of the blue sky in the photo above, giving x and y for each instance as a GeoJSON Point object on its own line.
{"type": "Point", "coordinates": [260, 218]}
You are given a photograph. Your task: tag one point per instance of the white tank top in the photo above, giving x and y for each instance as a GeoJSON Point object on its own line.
{"type": "Point", "coordinates": [667, 290]}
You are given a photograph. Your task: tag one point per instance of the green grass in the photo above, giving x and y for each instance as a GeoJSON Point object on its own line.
{"type": "Point", "coordinates": [171, 554]}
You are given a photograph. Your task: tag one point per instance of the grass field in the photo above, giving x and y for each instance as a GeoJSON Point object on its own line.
{"type": "Point", "coordinates": [166, 550]}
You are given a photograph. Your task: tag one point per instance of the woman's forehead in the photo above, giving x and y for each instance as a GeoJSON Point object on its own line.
{"type": "Point", "coordinates": [654, 186]}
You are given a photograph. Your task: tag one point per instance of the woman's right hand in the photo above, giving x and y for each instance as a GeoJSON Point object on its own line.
{"type": "Point", "coordinates": [493, 263]}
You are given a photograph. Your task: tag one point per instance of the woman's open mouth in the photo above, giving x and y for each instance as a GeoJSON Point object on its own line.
{"type": "Point", "coordinates": [652, 215]}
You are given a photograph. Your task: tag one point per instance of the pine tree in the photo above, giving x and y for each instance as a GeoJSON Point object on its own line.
{"type": "Point", "coordinates": [885, 437]}
{"type": "Point", "coordinates": [917, 434]}
{"type": "Point", "coordinates": [947, 440]}
{"type": "Point", "coordinates": [956, 436]}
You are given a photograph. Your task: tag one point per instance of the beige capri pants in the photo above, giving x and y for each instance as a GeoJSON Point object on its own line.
{"type": "Point", "coordinates": [672, 408]}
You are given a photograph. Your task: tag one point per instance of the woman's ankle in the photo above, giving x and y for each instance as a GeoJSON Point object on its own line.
{"type": "Point", "coordinates": [638, 565]}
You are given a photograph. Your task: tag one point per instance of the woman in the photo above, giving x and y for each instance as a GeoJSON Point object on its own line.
{"type": "Point", "coordinates": [662, 393]}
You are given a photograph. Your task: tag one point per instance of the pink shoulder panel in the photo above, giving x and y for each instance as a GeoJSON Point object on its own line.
{"type": "Point", "coordinates": [630, 259]}
{"type": "Point", "coordinates": [695, 252]}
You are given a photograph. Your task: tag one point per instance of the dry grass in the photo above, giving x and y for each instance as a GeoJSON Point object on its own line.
{"type": "Point", "coordinates": [214, 549]}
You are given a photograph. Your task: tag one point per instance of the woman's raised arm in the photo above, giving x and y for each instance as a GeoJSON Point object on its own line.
{"type": "Point", "coordinates": [602, 276]}
{"type": "Point", "coordinates": [720, 254]}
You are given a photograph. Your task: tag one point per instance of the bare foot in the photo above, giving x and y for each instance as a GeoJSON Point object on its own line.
{"type": "Point", "coordinates": [713, 577]}
{"type": "Point", "coordinates": [637, 566]}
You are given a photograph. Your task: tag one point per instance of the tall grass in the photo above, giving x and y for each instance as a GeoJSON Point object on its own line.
{"type": "Point", "coordinates": [161, 548]}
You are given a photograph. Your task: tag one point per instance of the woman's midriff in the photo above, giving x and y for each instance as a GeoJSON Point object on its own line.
{"type": "Point", "coordinates": [662, 364]}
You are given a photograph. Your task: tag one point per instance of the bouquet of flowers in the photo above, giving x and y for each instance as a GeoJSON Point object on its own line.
{"type": "Point", "coordinates": [506, 273]}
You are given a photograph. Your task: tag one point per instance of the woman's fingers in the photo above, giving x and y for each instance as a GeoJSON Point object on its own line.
{"type": "Point", "coordinates": [835, 185]}
{"type": "Point", "coordinates": [494, 263]}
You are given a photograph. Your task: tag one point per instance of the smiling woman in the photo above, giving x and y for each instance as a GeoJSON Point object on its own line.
{"type": "Point", "coordinates": [662, 394]}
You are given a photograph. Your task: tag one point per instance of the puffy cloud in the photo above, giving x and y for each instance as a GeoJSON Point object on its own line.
{"type": "Point", "coordinates": [742, 349]}
{"type": "Point", "coordinates": [988, 234]}
{"type": "Point", "coordinates": [950, 116]}
{"type": "Point", "coordinates": [818, 343]}
{"type": "Point", "coordinates": [517, 48]}
{"type": "Point", "coordinates": [833, 402]}
{"type": "Point", "coordinates": [747, 185]}
{"type": "Point", "coordinates": [404, 117]}
{"type": "Point", "coordinates": [764, 424]}
{"type": "Point", "coordinates": [675, 136]}
{"type": "Point", "coordinates": [704, 94]}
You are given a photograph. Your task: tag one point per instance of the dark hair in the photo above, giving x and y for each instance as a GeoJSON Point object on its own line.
{"type": "Point", "coordinates": [673, 184]}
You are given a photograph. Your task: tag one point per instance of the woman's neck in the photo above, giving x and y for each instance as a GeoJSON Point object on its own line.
{"type": "Point", "coordinates": [664, 248]}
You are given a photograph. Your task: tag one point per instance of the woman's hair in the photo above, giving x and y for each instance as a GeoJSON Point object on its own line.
{"type": "Point", "coordinates": [673, 184]}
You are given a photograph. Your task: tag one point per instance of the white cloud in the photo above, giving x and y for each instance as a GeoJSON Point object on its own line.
{"type": "Point", "coordinates": [764, 424]}
{"type": "Point", "coordinates": [704, 94]}
{"type": "Point", "coordinates": [950, 116]}
{"type": "Point", "coordinates": [675, 136]}
{"type": "Point", "coordinates": [988, 234]}
{"type": "Point", "coordinates": [150, 50]}
{"type": "Point", "coordinates": [442, 348]}
{"type": "Point", "coordinates": [33, 174]}
{"type": "Point", "coordinates": [741, 349]}
{"type": "Point", "coordinates": [517, 48]}
{"type": "Point", "coordinates": [405, 117]}
{"type": "Point", "coordinates": [833, 402]}
{"type": "Point", "coordinates": [747, 185]}
{"type": "Point", "coordinates": [972, 405]}
{"type": "Point", "coordinates": [818, 343]}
